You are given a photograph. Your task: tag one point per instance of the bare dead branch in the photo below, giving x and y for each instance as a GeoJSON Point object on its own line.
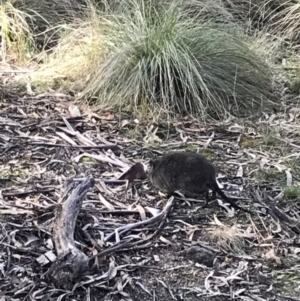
{"type": "Point", "coordinates": [71, 262]}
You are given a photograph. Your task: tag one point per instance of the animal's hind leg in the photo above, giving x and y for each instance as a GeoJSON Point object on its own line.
{"type": "Point", "coordinates": [206, 198]}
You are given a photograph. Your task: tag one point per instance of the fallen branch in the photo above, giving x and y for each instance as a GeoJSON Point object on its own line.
{"type": "Point", "coordinates": [71, 262]}
{"type": "Point", "coordinates": [129, 244]}
{"type": "Point", "coordinates": [287, 223]}
{"type": "Point", "coordinates": [123, 229]}
{"type": "Point", "coordinates": [108, 146]}
{"type": "Point", "coordinates": [103, 158]}
{"type": "Point", "coordinates": [108, 181]}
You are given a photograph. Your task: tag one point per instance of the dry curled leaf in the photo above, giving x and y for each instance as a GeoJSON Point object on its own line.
{"type": "Point", "coordinates": [112, 271]}
{"type": "Point", "coordinates": [136, 172]}
{"type": "Point", "coordinates": [74, 111]}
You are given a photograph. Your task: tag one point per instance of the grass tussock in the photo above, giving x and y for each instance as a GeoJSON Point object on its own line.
{"type": "Point", "coordinates": [292, 192]}
{"type": "Point", "coordinates": [16, 41]}
{"type": "Point", "coordinates": [180, 64]}
{"type": "Point", "coordinates": [71, 62]}
{"type": "Point", "coordinates": [229, 238]}
{"type": "Point", "coordinates": [286, 21]}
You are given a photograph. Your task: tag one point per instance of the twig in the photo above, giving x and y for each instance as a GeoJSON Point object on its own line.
{"type": "Point", "coordinates": [107, 181]}
{"type": "Point", "coordinates": [27, 192]}
{"type": "Point", "coordinates": [126, 228]}
{"type": "Point", "coordinates": [108, 146]}
{"type": "Point", "coordinates": [126, 245]}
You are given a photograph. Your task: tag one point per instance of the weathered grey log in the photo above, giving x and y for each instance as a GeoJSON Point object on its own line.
{"type": "Point", "coordinates": [71, 262]}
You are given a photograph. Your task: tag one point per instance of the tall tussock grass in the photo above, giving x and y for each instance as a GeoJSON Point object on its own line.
{"type": "Point", "coordinates": [72, 60]}
{"type": "Point", "coordinates": [286, 21]}
{"type": "Point", "coordinates": [181, 64]}
{"type": "Point", "coordinates": [16, 37]}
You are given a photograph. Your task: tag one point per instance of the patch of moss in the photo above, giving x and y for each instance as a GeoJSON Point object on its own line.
{"type": "Point", "coordinates": [267, 140]}
{"type": "Point", "coordinates": [191, 148]}
{"type": "Point", "coordinates": [89, 160]}
{"type": "Point", "coordinates": [14, 172]}
{"type": "Point", "coordinates": [207, 153]}
{"type": "Point", "coordinates": [288, 281]}
{"type": "Point", "coordinates": [295, 84]}
{"type": "Point", "coordinates": [294, 165]}
{"type": "Point", "coordinates": [2, 218]}
{"type": "Point", "coordinates": [247, 142]}
{"type": "Point", "coordinates": [43, 85]}
{"type": "Point", "coordinates": [271, 174]}
{"type": "Point", "coordinates": [270, 140]}
{"type": "Point", "coordinates": [292, 69]}
{"type": "Point", "coordinates": [21, 87]}
{"type": "Point", "coordinates": [292, 192]}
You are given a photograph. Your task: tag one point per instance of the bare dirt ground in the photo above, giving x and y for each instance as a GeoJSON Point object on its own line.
{"type": "Point", "coordinates": [44, 141]}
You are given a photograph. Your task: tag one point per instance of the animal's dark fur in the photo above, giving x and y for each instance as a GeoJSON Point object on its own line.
{"type": "Point", "coordinates": [186, 171]}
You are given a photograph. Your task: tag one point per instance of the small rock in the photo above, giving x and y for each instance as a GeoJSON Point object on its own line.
{"type": "Point", "coordinates": [201, 255]}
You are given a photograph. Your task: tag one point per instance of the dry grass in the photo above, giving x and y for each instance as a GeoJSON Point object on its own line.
{"type": "Point", "coordinates": [286, 21]}
{"type": "Point", "coordinates": [71, 62]}
{"type": "Point", "coordinates": [228, 237]}
{"type": "Point", "coordinates": [16, 37]}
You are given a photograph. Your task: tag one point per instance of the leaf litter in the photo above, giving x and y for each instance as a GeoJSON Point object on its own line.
{"type": "Point", "coordinates": [138, 239]}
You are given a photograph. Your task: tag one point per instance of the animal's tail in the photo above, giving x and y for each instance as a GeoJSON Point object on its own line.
{"type": "Point", "coordinates": [226, 198]}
